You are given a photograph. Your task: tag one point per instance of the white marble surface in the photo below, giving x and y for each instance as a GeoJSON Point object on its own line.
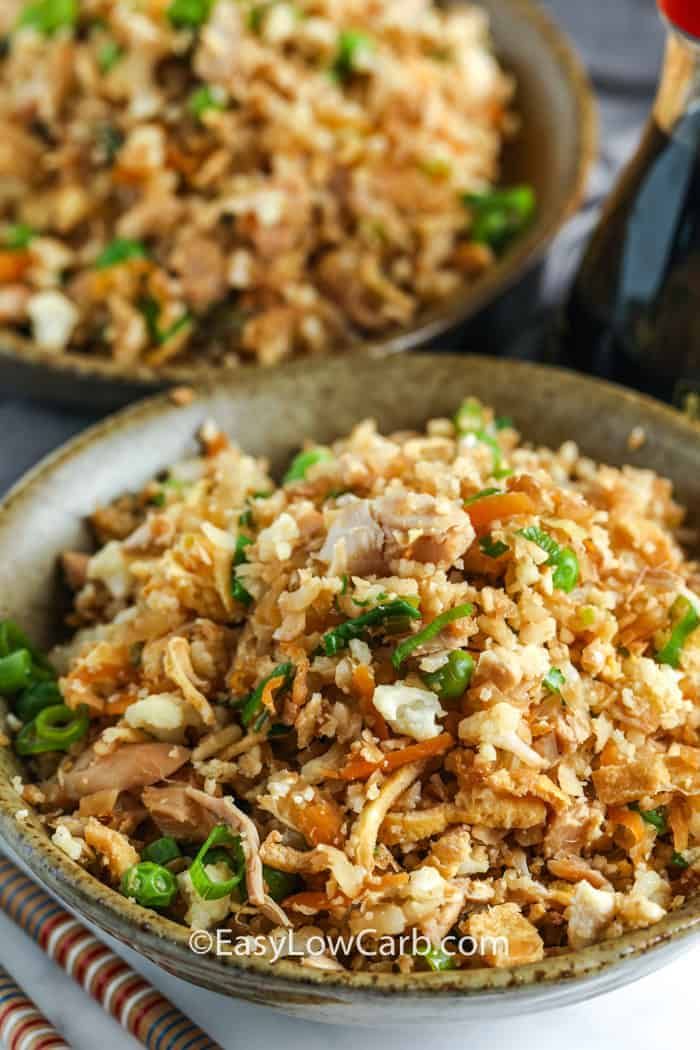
{"type": "Point", "coordinates": [656, 1011]}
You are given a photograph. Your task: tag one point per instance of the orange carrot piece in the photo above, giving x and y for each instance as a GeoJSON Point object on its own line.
{"type": "Point", "coordinates": [14, 265]}
{"type": "Point", "coordinates": [498, 507]}
{"type": "Point", "coordinates": [360, 769]}
{"type": "Point", "coordinates": [679, 821]}
{"type": "Point", "coordinates": [363, 684]}
{"type": "Point", "coordinates": [267, 697]}
{"type": "Point", "coordinates": [628, 818]}
{"type": "Point", "coordinates": [610, 755]}
{"type": "Point", "coordinates": [315, 899]}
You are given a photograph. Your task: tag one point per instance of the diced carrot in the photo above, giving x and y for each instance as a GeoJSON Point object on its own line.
{"type": "Point", "coordinates": [629, 819]}
{"type": "Point", "coordinates": [312, 899]}
{"type": "Point", "coordinates": [13, 266]}
{"type": "Point", "coordinates": [267, 697]}
{"type": "Point", "coordinates": [678, 821]}
{"type": "Point", "coordinates": [610, 755]}
{"type": "Point", "coordinates": [319, 820]}
{"type": "Point", "coordinates": [503, 505]}
{"type": "Point", "coordinates": [363, 685]}
{"type": "Point", "coordinates": [360, 769]}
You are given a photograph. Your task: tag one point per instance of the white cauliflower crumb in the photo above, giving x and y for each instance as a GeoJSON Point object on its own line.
{"type": "Point", "coordinates": [409, 711]}
{"type": "Point", "coordinates": [53, 319]}
{"type": "Point", "coordinates": [164, 715]}
{"type": "Point", "coordinates": [276, 542]}
{"type": "Point", "coordinates": [591, 911]}
{"type": "Point", "coordinates": [498, 726]}
{"type": "Point", "coordinates": [111, 567]}
{"type": "Point", "coordinates": [70, 845]}
{"type": "Point", "coordinates": [201, 914]}
{"type": "Point", "coordinates": [17, 785]}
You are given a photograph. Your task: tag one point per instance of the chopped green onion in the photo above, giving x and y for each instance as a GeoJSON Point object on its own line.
{"type": "Point", "coordinates": [48, 16]}
{"type": "Point", "coordinates": [18, 237]}
{"type": "Point", "coordinates": [554, 680]}
{"type": "Point", "coordinates": [162, 851]}
{"type": "Point", "coordinates": [280, 884]}
{"type": "Point", "coordinates": [150, 309]}
{"type": "Point", "coordinates": [55, 728]}
{"type": "Point", "coordinates": [587, 615]}
{"type": "Point", "coordinates": [655, 817]}
{"type": "Point", "coordinates": [35, 699]}
{"type": "Point", "coordinates": [119, 251]}
{"type": "Point", "coordinates": [451, 681]}
{"type": "Point", "coordinates": [685, 620]}
{"type": "Point", "coordinates": [437, 958]}
{"type": "Point", "coordinates": [304, 461]}
{"type": "Point", "coordinates": [492, 548]}
{"type": "Point", "coordinates": [503, 423]}
{"type": "Point", "coordinates": [679, 861]}
{"type": "Point", "coordinates": [563, 559]}
{"type": "Point", "coordinates": [150, 885]}
{"type": "Point", "coordinates": [238, 591]}
{"type": "Point", "coordinates": [500, 215]}
{"type": "Point", "coordinates": [406, 647]}
{"type": "Point", "coordinates": [207, 888]}
{"type": "Point", "coordinates": [109, 55]}
{"type": "Point", "coordinates": [204, 99]}
{"type": "Point", "coordinates": [16, 672]}
{"type": "Point", "coordinates": [470, 416]}
{"type": "Point", "coordinates": [111, 140]}
{"type": "Point", "coordinates": [383, 614]}
{"type": "Point", "coordinates": [482, 494]}
{"type": "Point", "coordinates": [189, 14]}
{"type": "Point", "coordinates": [353, 46]}
{"type": "Point", "coordinates": [13, 638]}
{"type": "Point", "coordinates": [252, 705]}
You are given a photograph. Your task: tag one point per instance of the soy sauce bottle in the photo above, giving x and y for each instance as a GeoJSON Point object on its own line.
{"type": "Point", "coordinates": [634, 312]}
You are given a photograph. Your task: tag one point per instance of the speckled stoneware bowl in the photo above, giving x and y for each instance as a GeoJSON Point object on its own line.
{"type": "Point", "coordinates": [270, 414]}
{"type": "Point", "coordinates": [552, 151]}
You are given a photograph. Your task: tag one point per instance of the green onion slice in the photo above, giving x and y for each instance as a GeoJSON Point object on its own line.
{"type": "Point", "coordinates": [500, 215]}
{"type": "Point", "coordinates": [55, 728]}
{"type": "Point", "coordinates": [303, 461]}
{"type": "Point", "coordinates": [404, 650]}
{"type": "Point", "coordinates": [492, 548]}
{"type": "Point", "coordinates": [685, 620]}
{"type": "Point", "coordinates": [252, 710]}
{"type": "Point", "coordinates": [386, 614]}
{"type": "Point", "coordinates": [207, 888]}
{"type": "Point", "coordinates": [437, 958]}
{"type": "Point", "coordinates": [563, 559]}
{"type": "Point", "coordinates": [554, 680]}
{"type": "Point", "coordinates": [119, 251]}
{"type": "Point", "coordinates": [48, 16]}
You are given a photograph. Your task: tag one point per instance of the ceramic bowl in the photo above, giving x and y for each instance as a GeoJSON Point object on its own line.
{"type": "Point", "coordinates": [552, 151]}
{"type": "Point", "coordinates": [270, 414]}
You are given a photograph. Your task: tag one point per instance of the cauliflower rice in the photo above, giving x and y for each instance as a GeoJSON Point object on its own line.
{"type": "Point", "coordinates": [238, 180]}
{"type": "Point", "coordinates": [505, 744]}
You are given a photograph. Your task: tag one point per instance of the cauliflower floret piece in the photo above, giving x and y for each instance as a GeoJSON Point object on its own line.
{"type": "Point", "coordinates": [409, 711]}
{"type": "Point", "coordinates": [111, 567]}
{"type": "Point", "coordinates": [53, 319]}
{"type": "Point", "coordinates": [275, 543]}
{"type": "Point", "coordinates": [70, 845]}
{"type": "Point", "coordinates": [164, 715]}
{"type": "Point", "coordinates": [654, 687]}
{"type": "Point", "coordinates": [498, 726]}
{"type": "Point", "coordinates": [201, 914]}
{"type": "Point", "coordinates": [591, 911]}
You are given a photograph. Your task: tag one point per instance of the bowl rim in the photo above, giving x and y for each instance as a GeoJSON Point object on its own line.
{"type": "Point", "coordinates": [166, 941]}
{"type": "Point", "coordinates": [523, 255]}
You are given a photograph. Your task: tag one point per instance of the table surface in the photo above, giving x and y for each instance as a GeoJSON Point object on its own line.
{"type": "Point", "coordinates": [621, 43]}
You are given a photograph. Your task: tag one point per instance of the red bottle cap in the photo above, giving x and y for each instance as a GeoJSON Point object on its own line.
{"type": "Point", "coordinates": [684, 14]}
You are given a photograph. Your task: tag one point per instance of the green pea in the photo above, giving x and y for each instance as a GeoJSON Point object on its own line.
{"type": "Point", "coordinates": [162, 851]}
{"type": "Point", "coordinates": [304, 461]}
{"type": "Point", "coordinates": [280, 884]}
{"type": "Point", "coordinates": [150, 885]}
{"type": "Point", "coordinates": [451, 681]}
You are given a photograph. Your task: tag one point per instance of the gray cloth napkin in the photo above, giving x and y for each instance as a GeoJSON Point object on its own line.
{"type": "Point", "coordinates": [620, 41]}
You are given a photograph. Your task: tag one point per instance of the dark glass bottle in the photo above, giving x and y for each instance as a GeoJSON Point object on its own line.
{"type": "Point", "coordinates": [634, 312]}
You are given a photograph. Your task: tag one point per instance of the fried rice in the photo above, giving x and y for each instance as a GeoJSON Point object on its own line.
{"type": "Point", "coordinates": [184, 180]}
{"type": "Point", "coordinates": [443, 682]}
